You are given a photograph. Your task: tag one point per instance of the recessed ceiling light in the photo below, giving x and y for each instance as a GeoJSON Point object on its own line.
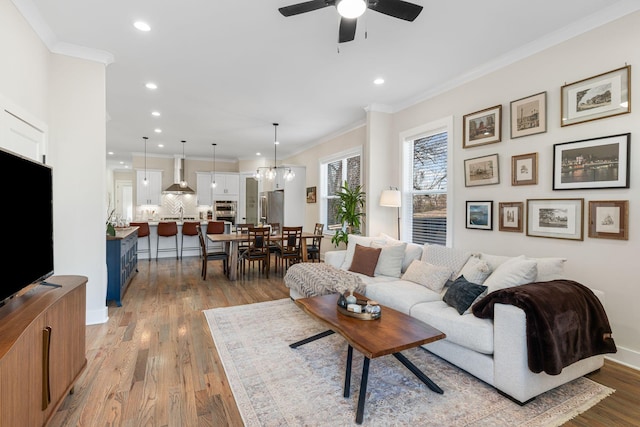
{"type": "Point", "coordinates": [158, 130]}
{"type": "Point", "coordinates": [142, 26]}
{"type": "Point", "coordinates": [160, 145]}
{"type": "Point", "coordinates": [378, 81]}
{"type": "Point", "coordinates": [151, 85]}
{"type": "Point", "coordinates": [110, 153]}
{"type": "Point", "coordinates": [258, 154]}
{"type": "Point", "coordinates": [121, 162]}
{"type": "Point", "coordinates": [155, 113]}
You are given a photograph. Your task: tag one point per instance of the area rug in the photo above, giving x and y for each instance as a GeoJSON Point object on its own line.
{"type": "Point", "coordinates": [275, 385]}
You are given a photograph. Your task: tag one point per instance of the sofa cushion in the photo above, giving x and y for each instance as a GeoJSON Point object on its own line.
{"type": "Point", "coordinates": [365, 260]}
{"type": "Point", "coordinates": [513, 272]}
{"type": "Point", "coordinates": [549, 268]}
{"type": "Point", "coordinates": [432, 276]}
{"type": "Point", "coordinates": [399, 294]}
{"type": "Point", "coordinates": [412, 251]}
{"type": "Point", "coordinates": [462, 293]}
{"type": "Point", "coordinates": [452, 258]}
{"type": "Point", "coordinates": [391, 256]}
{"type": "Point", "coordinates": [475, 270]}
{"type": "Point", "coordinates": [467, 330]}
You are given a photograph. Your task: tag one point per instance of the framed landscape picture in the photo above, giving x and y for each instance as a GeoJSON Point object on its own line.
{"type": "Point", "coordinates": [592, 163]}
{"type": "Point", "coordinates": [482, 127]}
{"type": "Point", "coordinates": [605, 95]}
{"type": "Point", "coordinates": [609, 219]}
{"type": "Point", "coordinates": [480, 215]}
{"type": "Point", "coordinates": [555, 218]}
{"type": "Point", "coordinates": [524, 169]}
{"type": "Point", "coordinates": [481, 171]}
{"type": "Point", "coordinates": [529, 115]}
{"type": "Point", "coordinates": [510, 216]}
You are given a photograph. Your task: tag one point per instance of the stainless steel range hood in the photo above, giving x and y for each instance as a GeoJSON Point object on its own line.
{"type": "Point", "coordinates": [178, 177]}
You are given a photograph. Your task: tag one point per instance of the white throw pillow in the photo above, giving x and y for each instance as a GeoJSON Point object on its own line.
{"type": "Point", "coordinates": [550, 268]}
{"type": "Point", "coordinates": [429, 275]}
{"type": "Point", "coordinates": [475, 270]}
{"type": "Point", "coordinates": [451, 258]}
{"type": "Point", "coordinates": [390, 260]}
{"type": "Point", "coordinates": [494, 261]}
{"type": "Point", "coordinates": [513, 272]}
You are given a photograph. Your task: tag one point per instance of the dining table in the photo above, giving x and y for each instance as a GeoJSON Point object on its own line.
{"type": "Point", "coordinates": [233, 240]}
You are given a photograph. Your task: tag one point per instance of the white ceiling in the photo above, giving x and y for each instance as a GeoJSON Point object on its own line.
{"type": "Point", "coordinates": [226, 70]}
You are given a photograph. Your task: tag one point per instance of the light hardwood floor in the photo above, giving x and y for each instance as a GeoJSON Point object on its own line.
{"type": "Point", "coordinates": [154, 362]}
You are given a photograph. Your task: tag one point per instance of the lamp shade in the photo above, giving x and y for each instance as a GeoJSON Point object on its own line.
{"type": "Point", "coordinates": [391, 198]}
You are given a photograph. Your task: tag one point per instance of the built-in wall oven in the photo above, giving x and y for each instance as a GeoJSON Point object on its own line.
{"type": "Point", "coordinates": [225, 210]}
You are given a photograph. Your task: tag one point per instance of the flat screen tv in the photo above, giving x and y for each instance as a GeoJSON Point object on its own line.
{"type": "Point", "coordinates": [27, 223]}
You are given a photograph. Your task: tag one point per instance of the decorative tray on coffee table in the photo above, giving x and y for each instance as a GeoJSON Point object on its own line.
{"type": "Point", "coordinates": [363, 314]}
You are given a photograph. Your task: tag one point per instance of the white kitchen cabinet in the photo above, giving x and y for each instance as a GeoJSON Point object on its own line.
{"type": "Point", "coordinates": [150, 194]}
{"type": "Point", "coordinates": [203, 188]}
{"type": "Point", "coordinates": [227, 184]}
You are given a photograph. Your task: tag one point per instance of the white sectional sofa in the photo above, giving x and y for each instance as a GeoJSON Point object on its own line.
{"type": "Point", "coordinates": [494, 351]}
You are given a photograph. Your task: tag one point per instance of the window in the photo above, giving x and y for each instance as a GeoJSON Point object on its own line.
{"type": "Point", "coordinates": [426, 159]}
{"type": "Point", "coordinates": [334, 172]}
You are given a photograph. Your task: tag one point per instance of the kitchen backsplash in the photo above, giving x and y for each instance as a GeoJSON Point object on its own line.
{"type": "Point", "coordinates": [170, 207]}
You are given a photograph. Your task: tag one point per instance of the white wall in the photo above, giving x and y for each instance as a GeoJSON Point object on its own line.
{"type": "Point", "coordinates": [598, 263]}
{"type": "Point", "coordinates": [67, 95]}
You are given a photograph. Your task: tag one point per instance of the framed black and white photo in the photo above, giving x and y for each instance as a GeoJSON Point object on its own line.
{"type": "Point", "coordinates": [605, 95]}
{"type": "Point", "coordinates": [480, 215]}
{"type": "Point", "coordinates": [524, 169]}
{"type": "Point", "coordinates": [510, 216]}
{"type": "Point", "coordinates": [482, 127]}
{"type": "Point", "coordinates": [609, 219]}
{"type": "Point", "coordinates": [592, 163]}
{"type": "Point", "coordinates": [555, 218]}
{"type": "Point", "coordinates": [529, 115]}
{"type": "Point", "coordinates": [481, 171]}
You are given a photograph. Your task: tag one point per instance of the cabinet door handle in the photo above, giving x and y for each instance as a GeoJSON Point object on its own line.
{"type": "Point", "coordinates": [46, 385]}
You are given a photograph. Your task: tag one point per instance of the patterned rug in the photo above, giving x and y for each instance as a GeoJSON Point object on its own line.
{"type": "Point", "coordinates": [275, 385]}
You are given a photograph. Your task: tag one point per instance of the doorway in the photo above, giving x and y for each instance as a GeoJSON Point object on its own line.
{"type": "Point", "coordinates": [251, 200]}
{"type": "Point", "coordinates": [124, 200]}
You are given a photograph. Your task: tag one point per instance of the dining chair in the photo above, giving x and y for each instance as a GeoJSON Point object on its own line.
{"type": "Point", "coordinates": [258, 250]}
{"type": "Point", "coordinates": [143, 231]}
{"type": "Point", "coordinates": [167, 229]}
{"type": "Point", "coordinates": [190, 229]}
{"type": "Point", "coordinates": [313, 250]}
{"type": "Point", "coordinates": [205, 256]}
{"type": "Point", "coordinates": [288, 252]}
{"type": "Point", "coordinates": [275, 231]}
{"type": "Point", "coordinates": [242, 245]}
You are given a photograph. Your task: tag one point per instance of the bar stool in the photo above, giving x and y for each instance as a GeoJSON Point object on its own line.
{"type": "Point", "coordinates": [167, 229]}
{"type": "Point", "coordinates": [189, 228]}
{"type": "Point", "coordinates": [143, 231]}
{"type": "Point", "coordinates": [215, 227]}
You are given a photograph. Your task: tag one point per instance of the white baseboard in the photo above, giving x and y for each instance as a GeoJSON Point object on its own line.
{"type": "Point", "coordinates": [625, 356]}
{"type": "Point", "coordinates": [95, 317]}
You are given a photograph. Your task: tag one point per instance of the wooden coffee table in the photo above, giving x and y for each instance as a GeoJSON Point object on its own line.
{"type": "Point", "coordinates": [393, 332]}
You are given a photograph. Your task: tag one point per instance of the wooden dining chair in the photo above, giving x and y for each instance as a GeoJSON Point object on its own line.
{"type": "Point", "coordinates": [289, 251]}
{"type": "Point", "coordinates": [205, 256]}
{"type": "Point", "coordinates": [258, 250]}
{"type": "Point", "coordinates": [313, 250]}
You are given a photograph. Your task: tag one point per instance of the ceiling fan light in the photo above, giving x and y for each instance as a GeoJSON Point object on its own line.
{"type": "Point", "coordinates": [351, 9]}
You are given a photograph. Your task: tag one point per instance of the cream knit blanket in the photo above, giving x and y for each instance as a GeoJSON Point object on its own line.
{"type": "Point", "coordinates": [313, 279]}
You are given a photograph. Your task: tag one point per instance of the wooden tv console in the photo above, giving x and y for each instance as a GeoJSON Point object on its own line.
{"type": "Point", "coordinates": [42, 350]}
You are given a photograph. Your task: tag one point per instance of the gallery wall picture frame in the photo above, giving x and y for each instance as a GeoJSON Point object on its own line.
{"type": "Point", "coordinates": [556, 218]}
{"type": "Point", "coordinates": [605, 95]}
{"type": "Point", "coordinates": [483, 170]}
{"type": "Point", "coordinates": [479, 215]}
{"type": "Point", "coordinates": [482, 127]}
{"type": "Point", "coordinates": [592, 163]}
{"type": "Point", "coordinates": [529, 115]}
{"type": "Point", "coordinates": [311, 194]}
{"type": "Point", "coordinates": [510, 216]}
{"type": "Point", "coordinates": [524, 169]}
{"type": "Point", "coordinates": [609, 219]}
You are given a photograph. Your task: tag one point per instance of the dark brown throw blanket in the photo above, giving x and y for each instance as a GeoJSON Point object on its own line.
{"type": "Point", "coordinates": [565, 322]}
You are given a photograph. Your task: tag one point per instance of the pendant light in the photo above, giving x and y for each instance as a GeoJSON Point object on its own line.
{"type": "Point", "coordinates": [145, 182]}
{"type": "Point", "coordinates": [213, 167]}
{"type": "Point", "coordinates": [183, 181]}
{"type": "Point", "coordinates": [271, 172]}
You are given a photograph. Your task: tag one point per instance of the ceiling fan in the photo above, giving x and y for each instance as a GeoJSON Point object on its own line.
{"type": "Point", "coordinates": [350, 10]}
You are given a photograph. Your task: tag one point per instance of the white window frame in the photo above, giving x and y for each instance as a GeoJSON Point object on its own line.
{"type": "Point", "coordinates": [406, 144]}
{"type": "Point", "coordinates": [322, 166]}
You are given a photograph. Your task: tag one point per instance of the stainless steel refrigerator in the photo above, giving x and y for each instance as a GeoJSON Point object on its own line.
{"type": "Point", "coordinates": [272, 207]}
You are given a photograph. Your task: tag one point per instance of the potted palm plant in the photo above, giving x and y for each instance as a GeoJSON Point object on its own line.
{"type": "Point", "coordinates": [350, 212]}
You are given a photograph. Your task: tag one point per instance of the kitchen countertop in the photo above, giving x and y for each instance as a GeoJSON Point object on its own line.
{"type": "Point", "coordinates": [122, 232]}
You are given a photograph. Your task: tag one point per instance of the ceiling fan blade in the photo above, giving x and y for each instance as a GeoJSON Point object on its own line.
{"type": "Point", "coordinates": [347, 29]}
{"type": "Point", "coordinates": [307, 6]}
{"type": "Point", "coordinates": [397, 8]}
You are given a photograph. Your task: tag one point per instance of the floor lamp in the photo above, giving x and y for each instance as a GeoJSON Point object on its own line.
{"type": "Point", "coordinates": [393, 199]}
